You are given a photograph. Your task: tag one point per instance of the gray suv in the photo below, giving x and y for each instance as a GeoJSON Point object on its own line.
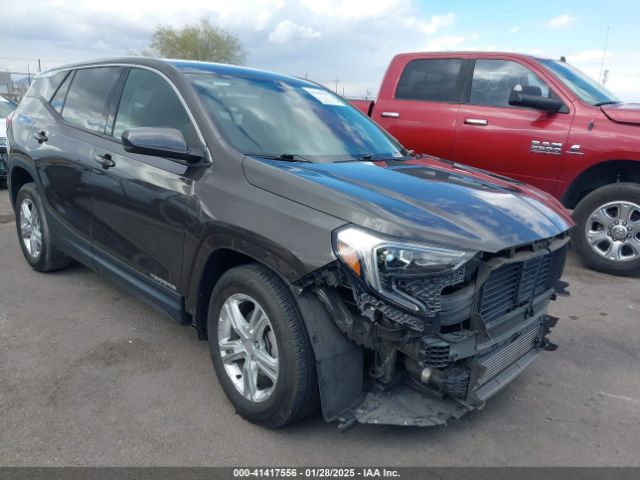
{"type": "Point", "coordinates": [326, 265]}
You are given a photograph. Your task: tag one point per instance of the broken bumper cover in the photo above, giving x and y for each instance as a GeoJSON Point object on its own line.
{"type": "Point", "coordinates": [494, 365]}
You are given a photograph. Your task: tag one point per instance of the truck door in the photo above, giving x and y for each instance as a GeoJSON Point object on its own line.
{"type": "Point", "coordinates": [518, 142]}
{"type": "Point", "coordinates": [420, 109]}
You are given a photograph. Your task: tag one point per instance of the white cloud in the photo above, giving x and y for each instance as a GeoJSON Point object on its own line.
{"type": "Point", "coordinates": [287, 31]}
{"type": "Point", "coordinates": [515, 29]}
{"type": "Point", "coordinates": [594, 55]}
{"type": "Point", "coordinates": [437, 22]}
{"type": "Point", "coordinates": [560, 21]}
{"type": "Point", "coordinates": [445, 43]}
{"type": "Point", "coordinates": [357, 8]}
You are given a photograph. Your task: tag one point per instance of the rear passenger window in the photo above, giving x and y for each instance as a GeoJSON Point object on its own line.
{"type": "Point", "coordinates": [149, 101]}
{"type": "Point", "coordinates": [86, 101]}
{"type": "Point", "coordinates": [434, 79]}
{"type": "Point", "coordinates": [45, 84]}
{"type": "Point", "coordinates": [493, 81]}
{"type": "Point", "coordinates": [57, 102]}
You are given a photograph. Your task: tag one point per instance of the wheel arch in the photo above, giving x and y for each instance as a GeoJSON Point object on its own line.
{"type": "Point", "coordinates": [228, 247]}
{"type": "Point", "coordinates": [599, 175]}
{"type": "Point", "coordinates": [19, 175]}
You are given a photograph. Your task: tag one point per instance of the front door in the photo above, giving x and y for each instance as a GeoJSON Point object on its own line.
{"type": "Point", "coordinates": [518, 142]}
{"type": "Point", "coordinates": [139, 201]}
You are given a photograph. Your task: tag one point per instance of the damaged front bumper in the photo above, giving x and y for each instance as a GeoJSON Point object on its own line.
{"type": "Point", "coordinates": [493, 366]}
{"type": "Point", "coordinates": [407, 370]}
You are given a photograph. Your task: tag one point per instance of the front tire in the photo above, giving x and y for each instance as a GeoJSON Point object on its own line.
{"type": "Point", "coordinates": [260, 348]}
{"type": "Point", "coordinates": [607, 233]}
{"type": "Point", "coordinates": [34, 234]}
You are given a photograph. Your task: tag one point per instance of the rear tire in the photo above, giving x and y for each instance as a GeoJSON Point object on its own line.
{"type": "Point", "coordinates": [279, 349]}
{"type": "Point", "coordinates": [607, 235]}
{"type": "Point", "coordinates": [34, 234]}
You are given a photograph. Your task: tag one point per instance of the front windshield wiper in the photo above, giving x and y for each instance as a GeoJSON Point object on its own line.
{"type": "Point", "coordinates": [287, 157]}
{"type": "Point", "coordinates": [368, 157]}
{"type": "Point", "coordinates": [609, 102]}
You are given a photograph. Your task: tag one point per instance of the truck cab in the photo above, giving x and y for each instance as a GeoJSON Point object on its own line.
{"type": "Point", "coordinates": [536, 120]}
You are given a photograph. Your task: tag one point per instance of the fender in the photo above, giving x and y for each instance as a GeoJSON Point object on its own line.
{"type": "Point", "coordinates": [241, 241]}
{"type": "Point", "coordinates": [18, 160]}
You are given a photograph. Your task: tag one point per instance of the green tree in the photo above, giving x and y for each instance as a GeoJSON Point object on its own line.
{"type": "Point", "coordinates": [202, 41]}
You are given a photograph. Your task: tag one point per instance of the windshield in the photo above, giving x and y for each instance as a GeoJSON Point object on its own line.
{"type": "Point", "coordinates": [275, 117]}
{"type": "Point", "coordinates": [583, 86]}
{"type": "Point", "coordinates": [6, 107]}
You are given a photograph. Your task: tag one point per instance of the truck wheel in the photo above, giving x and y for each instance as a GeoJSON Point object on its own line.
{"type": "Point", "coordinates": [33, 232]}
{"type": "Point", "coordinates": [260, 349]}
{"type": "Point", "coordinates": [607, 235]}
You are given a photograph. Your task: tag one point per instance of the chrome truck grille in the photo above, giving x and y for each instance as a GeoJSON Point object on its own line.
{"type": "Point", "coordinates": [496, 361]}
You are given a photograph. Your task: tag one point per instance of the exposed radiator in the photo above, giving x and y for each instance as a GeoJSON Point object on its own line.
{"type": "Point", "coordinates": [496, 361]}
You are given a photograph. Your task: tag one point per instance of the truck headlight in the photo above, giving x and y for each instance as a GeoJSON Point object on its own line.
{"type": "Point", "coordinates": [378, 260]}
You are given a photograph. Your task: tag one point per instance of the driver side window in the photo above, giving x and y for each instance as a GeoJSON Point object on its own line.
{"type": "Point", "coordinates": [149, 101]}
{"type": "Point", "coordinates": [493, 81]}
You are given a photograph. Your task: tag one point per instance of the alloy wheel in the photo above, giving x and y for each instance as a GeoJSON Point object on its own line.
{"type": "Point", "coordinates": [248, 347]}
{"type": "Point", "coordinates": [613, 231]}
{"type": "Point", "coordinates": [31, 228]}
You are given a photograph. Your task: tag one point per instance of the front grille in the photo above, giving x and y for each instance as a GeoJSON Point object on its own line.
{"type": "Point", "coordinates": [513, 285]}
{"type": "Point", "coordinates": [497, 360]}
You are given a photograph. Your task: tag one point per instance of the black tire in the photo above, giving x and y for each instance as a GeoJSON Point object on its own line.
{"type": "Point", "coordinates": [616, 192]}
{"type": "Point", "coordinates": [295, 393]}
{"type": "Point", "coordinates": [48, 258]}
{"type": "Point", "coordinates": [3, 183]}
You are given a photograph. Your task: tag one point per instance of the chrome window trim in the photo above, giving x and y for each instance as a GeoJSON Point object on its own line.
{"type": "Point", "coordinates": [167, 79]}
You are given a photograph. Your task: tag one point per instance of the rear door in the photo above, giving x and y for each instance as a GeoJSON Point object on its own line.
{"type": "Point", "coordinates": [139, 203]}
{"type": "Point", "coordinates": [66, 133]}
{"type": "Point", "coordinates": [420, 108]}
{"type": "Point", "coordinates": [518, 142]}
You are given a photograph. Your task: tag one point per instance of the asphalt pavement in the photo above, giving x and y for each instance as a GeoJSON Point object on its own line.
{"type": "Point", "coordinates": [89, 375]}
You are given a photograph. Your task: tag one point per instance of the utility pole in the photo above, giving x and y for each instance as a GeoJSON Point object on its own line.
{"type": "Point", "coordinates": [604, 54]}
{"type": "Point", "coordinates": [39, 66]}
{"type": "Point", "coordinates": [605, 77]}
{"type": "Point", "coordinates": [337, 81]}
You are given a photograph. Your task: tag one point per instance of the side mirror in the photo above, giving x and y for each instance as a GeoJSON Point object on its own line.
{"type": "Point", "coordinates": [532, 97]}
{"type": "Point", "coordinates": [159, 141]}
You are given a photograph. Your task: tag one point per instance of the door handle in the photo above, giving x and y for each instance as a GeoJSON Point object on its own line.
{"type": "Point", "coordinates": [105, 161]}
{"type": "Point", "coordinates": [476, 121]}
{"type": "Point", "coordinates": [41, 137]}
{"type": "Point", "coordinates": [390, 114]}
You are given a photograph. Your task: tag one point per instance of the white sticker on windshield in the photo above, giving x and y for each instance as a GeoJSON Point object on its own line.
{"type": "Point", "coordinates": [324, 97]}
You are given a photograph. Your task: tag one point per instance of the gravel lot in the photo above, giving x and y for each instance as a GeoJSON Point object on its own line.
{"type": "Point", "coordinates": [91, 376]}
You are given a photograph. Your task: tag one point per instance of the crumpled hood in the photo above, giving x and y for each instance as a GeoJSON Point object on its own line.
{"type": "Point", "coordinates": [623, 112]}
{"type": "Point", "coordinates": [420, 199]}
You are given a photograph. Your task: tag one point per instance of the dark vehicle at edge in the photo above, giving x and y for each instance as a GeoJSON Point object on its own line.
{"type": "Point", "coordinates": [6, 108]}
{"type": "Point", "coordinates": [325, 264]}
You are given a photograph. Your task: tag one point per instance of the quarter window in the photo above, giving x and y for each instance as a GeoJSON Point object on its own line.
{"type": "Point", "coordinates": [434, 79]}
{"type": "Point", "coordinates": [149, 101]}
{"type": "Point", "coordinates": [493, 81]}
{"type": "Point", "coordinates": [86, 101]}
{"type": "Point", "coordinates": [57, 102]}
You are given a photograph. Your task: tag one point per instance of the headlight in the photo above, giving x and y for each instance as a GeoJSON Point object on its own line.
{"type": "Point", "coordinates": [379, 260]}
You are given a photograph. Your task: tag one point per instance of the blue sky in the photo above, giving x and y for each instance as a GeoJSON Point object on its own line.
{"type": "Point", "coordinates": [324, 39]}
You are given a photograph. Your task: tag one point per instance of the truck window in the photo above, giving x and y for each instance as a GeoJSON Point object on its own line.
{"type": "Point", "coordinates": [493, 81]}
{"type": "Point", "coordinates": [432, 80]}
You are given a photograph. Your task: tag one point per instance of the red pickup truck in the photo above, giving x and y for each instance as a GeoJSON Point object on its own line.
{"type": "Point", "coordinates": [536, 120]}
